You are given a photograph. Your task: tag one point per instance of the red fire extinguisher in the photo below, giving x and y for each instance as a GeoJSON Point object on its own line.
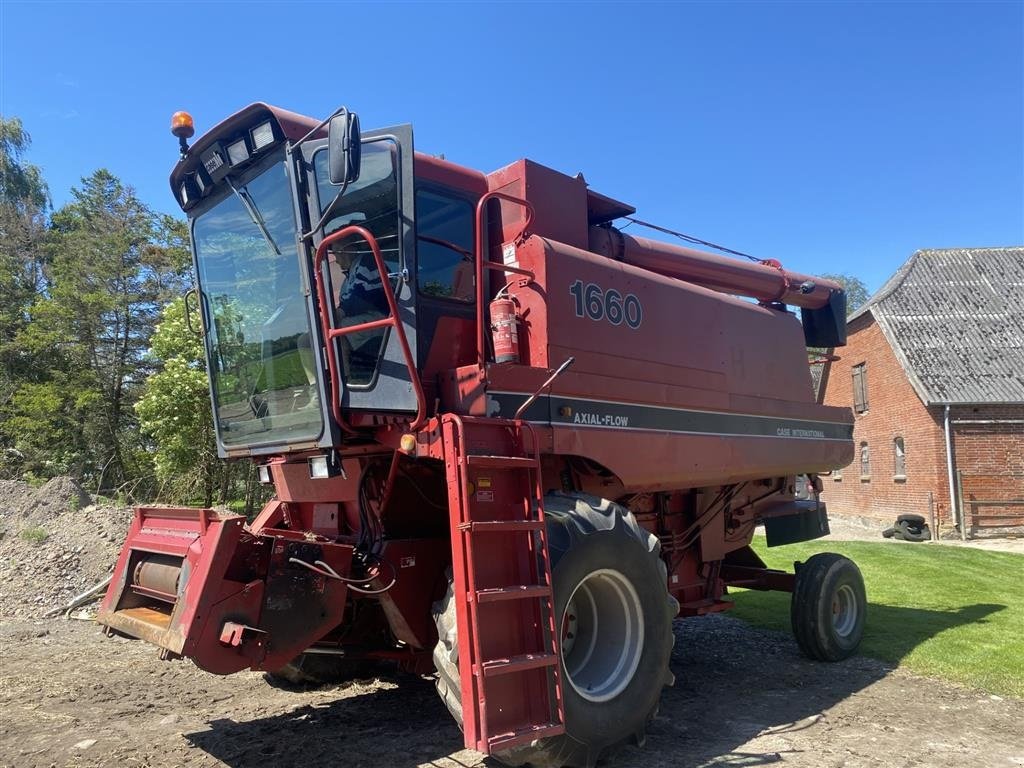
{"type": "Point", "coordinates": [505, 329]}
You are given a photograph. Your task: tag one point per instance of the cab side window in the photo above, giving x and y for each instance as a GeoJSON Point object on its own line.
{"type": "Point", "coordinates": [444, 229]}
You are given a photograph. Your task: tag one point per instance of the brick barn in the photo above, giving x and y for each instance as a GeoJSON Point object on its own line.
{"type": "Point", "coordinates": [934, 372]}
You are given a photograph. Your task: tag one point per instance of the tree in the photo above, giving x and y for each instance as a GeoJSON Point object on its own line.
{"type": "Point", "coordinates": [856, 292]}
{"type": "Point", "coordinates": [21, 184]}
{"type": "Point", "coordinates": [175, 411]}
{"type": "Point", "coordinates": [856, 295]}
{"type": "Point", "coordinates": [113, 264]}
{"type": "Point", "coordinates": [24, 200]}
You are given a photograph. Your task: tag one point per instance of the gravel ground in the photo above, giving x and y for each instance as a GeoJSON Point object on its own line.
{"type": "Point", "coordinates": [54, 544]}
{"type": "Point", "coordinates": [743, 697]}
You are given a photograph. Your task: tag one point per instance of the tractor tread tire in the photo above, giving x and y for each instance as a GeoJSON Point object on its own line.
{"type": "Point", "coordinates": [571, 521]}
{"type": "Point", "coordinates": [811, 605]}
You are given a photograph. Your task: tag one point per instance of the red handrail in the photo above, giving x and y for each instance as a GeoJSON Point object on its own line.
{"type": "Point", "coordinates": [482, 262]}
{"type": "Point", "coordinates": [330, 334]}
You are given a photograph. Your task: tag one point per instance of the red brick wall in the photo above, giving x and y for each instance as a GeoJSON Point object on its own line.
{"type": "Point", "coordinates": [990, 458]}
{"type": "Point", "coordinates": [894, 410]}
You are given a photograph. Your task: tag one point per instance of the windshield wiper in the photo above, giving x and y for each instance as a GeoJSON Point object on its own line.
{"type": "Point", "coordinates": [254, 214]}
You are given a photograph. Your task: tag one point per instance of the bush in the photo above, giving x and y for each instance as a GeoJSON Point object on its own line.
{"type": "Point", "coordinates": [35, 535]}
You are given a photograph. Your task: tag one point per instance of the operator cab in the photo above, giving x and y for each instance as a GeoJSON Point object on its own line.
{"type": "Point", "coordinates": [262, 190]}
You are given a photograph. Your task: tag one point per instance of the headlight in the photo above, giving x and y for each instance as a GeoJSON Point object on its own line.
{"type": "Point", "coordinates": [238, 152]}
{"type": "Point", "coordinates": [188, 192]}
{"type": "Point", "coordinates": [321, 467]}
{"type": "Point", "coordinates": [318, 468]}
{"type": "Point", "coordinates": [262, 136]}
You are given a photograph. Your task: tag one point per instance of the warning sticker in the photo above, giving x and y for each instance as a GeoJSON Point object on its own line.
{"type": "Point", "coordinates": [485, 495]}
{"type": "Point", "coordinates": [508, 254]}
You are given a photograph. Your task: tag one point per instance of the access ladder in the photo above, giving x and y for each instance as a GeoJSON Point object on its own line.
{"type": "Point", "coordinates": [507, 637]}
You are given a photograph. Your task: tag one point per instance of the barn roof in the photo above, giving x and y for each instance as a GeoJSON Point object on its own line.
{"type": "Point", "coordinates": [955, 319]}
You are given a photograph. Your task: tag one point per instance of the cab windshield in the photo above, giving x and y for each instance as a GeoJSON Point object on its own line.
{"type": "Point", "coordinates": [258, 344]}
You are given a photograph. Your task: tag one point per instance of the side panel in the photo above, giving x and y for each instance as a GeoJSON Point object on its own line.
{"type": "Point", "coordinates": [673, 386]}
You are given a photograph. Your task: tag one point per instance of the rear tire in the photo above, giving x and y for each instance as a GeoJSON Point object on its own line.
{"type": "Point", "coordinates": [609, 570]}
{"type": "Point", "coordinates": [828, 607]}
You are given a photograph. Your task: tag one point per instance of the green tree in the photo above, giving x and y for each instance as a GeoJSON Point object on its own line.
{"type": "Point", "coordinates": [21, 184]}
{"type": "Point", "coordinates": [113, 264]}
{"type": "Point", "coordinates": [856, 292]}
{"type": "Point", "coordinates": [856, 296]}
{"type": "Point", "coordinates": [175, 411]}
{"type": "Point", "coordinates": [23, 258]}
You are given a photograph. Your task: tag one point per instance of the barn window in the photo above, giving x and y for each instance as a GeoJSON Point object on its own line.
{"type": "Point", "coordinates": [860, 388]}
{"type": "Point", "coordinates": [865, 461]}
{"type": "Point", "coordinates": [899, 458]}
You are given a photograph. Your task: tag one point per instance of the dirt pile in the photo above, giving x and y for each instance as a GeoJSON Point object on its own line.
{"type": "Point", "coordinates": [54, 543]}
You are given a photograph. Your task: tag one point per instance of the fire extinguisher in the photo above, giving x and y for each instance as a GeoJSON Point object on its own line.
{"type": "Point", "coordinates": [505, 329]}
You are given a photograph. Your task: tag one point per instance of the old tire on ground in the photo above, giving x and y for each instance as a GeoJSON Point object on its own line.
{"type": "Point", "coordinates": [828, 607]}
{"type": "Point", "coordinates": [912, 533]}
{"type": "Point", "coordinates": [315, 669]}
{"type": "Point", "coordinates": [609, 570]}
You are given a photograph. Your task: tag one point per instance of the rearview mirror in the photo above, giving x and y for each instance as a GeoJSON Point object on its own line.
{"type": "Point", "coordinates": [344, 147]}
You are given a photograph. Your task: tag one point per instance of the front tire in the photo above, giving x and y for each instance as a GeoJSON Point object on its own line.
{"type": "Point", "coordinates": [615, 614]}
{"type": "Point", "coordinates": [828, 607]}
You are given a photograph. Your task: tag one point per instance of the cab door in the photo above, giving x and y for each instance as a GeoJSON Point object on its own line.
{"type": "Point", "coordinates": [372, 374]}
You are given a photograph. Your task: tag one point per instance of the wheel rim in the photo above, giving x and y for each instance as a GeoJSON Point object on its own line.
{"type": "Point", "coordinates": [844, 611]}
{"type": "Point", "coordinates": [602, 635]}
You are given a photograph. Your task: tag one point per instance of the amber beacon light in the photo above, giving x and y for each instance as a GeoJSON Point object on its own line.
{"type": "Point", "coordinates": [184, 128]}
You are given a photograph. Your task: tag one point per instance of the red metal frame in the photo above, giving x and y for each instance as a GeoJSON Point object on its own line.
{"type": "Point", "coordinates": [330, 334]}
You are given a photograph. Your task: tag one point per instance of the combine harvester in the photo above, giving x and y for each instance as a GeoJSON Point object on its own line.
{"type": "Point", "coordinates": [507, 441]}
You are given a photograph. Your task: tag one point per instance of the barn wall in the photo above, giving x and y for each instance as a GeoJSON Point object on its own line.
{"type": "Point", "coordinates": [894, 410]}
{"type": "Point", "coordinates": [990, 457]}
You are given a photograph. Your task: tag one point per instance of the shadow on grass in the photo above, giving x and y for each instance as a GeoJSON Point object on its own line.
{"type": "Point", "coordinates": [734, 682]}
{"type": "Point", "coordinates": [890, 633]}
{"type": "Point", "coordinates": [910, 627]}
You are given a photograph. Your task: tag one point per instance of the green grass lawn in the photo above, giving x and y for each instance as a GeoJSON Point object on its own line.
{"type": "Point", "coordinates": [944, 611]}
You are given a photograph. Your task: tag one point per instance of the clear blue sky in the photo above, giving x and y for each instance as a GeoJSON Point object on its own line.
{"type": "Point", "coordinates": [835, 137]}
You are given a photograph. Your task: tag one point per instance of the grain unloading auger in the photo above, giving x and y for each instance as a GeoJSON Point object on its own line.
{"type": "Point", "coordinates": [508, 442]}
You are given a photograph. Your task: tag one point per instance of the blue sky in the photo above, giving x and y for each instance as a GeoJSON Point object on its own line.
{"type": "Point", "coordinates": [835, 137]}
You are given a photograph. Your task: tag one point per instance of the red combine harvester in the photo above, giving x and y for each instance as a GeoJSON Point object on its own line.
{"type": "Point", "coordinates": [507, 441]}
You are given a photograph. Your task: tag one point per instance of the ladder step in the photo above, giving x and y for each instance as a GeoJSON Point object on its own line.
{"type": "Point", "coordinates": [502, 462]}
{"type": "Point", "coordinates": [524, 736]}
{"type": "Point", "coordinates": [523, 663]}
{"type": "Point", "coordinates": [502, 526]}
{"type": "Point", "coordinates": [518, 592]}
